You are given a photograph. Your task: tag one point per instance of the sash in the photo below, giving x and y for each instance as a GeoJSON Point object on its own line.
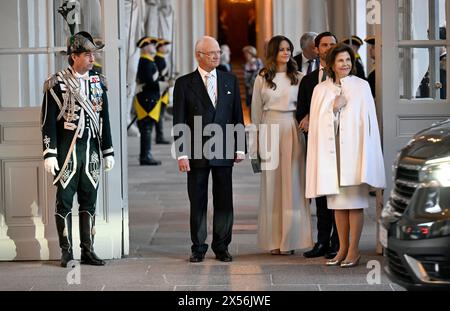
{"type": "Point", "coordinates": [74, 88]}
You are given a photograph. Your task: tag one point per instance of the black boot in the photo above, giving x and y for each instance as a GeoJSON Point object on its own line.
{"type": "Point", "coordinates": [145, 157]}
{"type": "Point", "coordinates": [87, 232]}
{"type": "Point", "coordinates": [64, 228]}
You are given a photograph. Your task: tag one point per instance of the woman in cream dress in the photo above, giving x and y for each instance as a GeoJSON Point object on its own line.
{"type": "Point", "coordinates": [284, 220]}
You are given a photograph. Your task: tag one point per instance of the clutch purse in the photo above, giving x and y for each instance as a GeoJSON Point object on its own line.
{"type": "Point", "coordinates": [256, 165]}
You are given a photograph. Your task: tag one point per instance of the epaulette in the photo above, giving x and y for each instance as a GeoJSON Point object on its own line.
{"type": "Point", "coordinates": [104, 81]}
{"type": "Point", "coordinates": [50, 83]}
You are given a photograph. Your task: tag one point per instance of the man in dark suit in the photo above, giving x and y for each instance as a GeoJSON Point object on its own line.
{"type": "Point", "coordinates": [307, 60]}
{"type": "Point", "coordinates": [208, 101]}
{"type": "Point", "coordinates": [371, 76]}
{"type": "Point", "coordinates": [327, 238]}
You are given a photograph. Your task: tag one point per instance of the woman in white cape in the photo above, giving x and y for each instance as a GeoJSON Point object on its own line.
{"type": "Point", "coordinates": [344, 151]}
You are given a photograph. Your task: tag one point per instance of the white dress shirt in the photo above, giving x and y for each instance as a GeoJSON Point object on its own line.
{"type": "Point", "coordinates": [305, 64]}
{"type": "Point", "coordinates": [321, 72]}
{"type": "Point", "coordinates": [212, 73]}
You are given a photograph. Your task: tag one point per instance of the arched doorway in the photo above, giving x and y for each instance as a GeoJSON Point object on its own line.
{"type": "Point", "coordinates": [263, 21]}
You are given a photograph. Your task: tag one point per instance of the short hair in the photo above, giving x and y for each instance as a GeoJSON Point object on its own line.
{"type": "Point", "coordinates": [200, 42]}
{"type": "Point", "coordinates": [250, 50]}
{"type": "Point", "coordinates": [332, 54]}
{"type": "Point", "coordinates": [306, 38]}
{"type": "Point", "coordinates": [70, 60]}
{"type": "Point", "coordinates": [323, 34]}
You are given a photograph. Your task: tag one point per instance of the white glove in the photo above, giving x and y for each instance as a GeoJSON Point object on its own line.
{"type": "Point", "coordinates": [163, 85]}
{"type": "Point", "coordinates": [109, 163]}
{"type": "Point", "coordinates": [51, 165]}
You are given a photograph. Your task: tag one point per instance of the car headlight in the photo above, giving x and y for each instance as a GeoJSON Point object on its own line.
{"type": "Point", "coordinates": [427, 216]}
{"type": "Point", "coordinates": [437, 170]}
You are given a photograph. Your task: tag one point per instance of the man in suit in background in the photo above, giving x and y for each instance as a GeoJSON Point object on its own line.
{"type": "Point", "coordinates": [213, 96]}
{"type": "Point", "coordinates": [371, 76]}
{"type": "Point", "coordinates": [327, 238]}
{"type": "Point", "coordinates": [307, 60]}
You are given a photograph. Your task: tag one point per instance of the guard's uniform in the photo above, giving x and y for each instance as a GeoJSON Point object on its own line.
{"type": "Point", "coordinates": [76, 135]}
{"type": "Point", "coordinates": [147, 103]}
{"type": "Point", "coordinates": [76, 130]}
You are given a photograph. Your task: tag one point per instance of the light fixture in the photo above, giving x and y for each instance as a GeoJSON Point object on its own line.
{"type": "Point", "coordinates": [241, 1]}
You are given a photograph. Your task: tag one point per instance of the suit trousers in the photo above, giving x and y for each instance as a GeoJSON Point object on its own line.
{"type": "Point", "coordinates": [222, 205]}
{"type": "Point", "coordinates": [326, 226]}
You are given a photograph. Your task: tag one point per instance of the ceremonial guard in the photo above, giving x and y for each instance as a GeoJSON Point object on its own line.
{"type": "Point", "coordinates": [76, 135]}
{"type": "Point", "coordinates": [147, 102]}
{"type": "Point", "coordinates": [160, 61]}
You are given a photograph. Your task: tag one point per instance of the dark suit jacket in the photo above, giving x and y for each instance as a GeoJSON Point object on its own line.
{"type": "Point", "coordinates": [190, 100]}
{"type": "Point", "coordinates": [305, 92]}
{"type": "Point", "coordinates": [360, 73]}
{"type": "Point", "coordinates": [371, 80]}
{"type": "Point", "coordinates": [299, 61]}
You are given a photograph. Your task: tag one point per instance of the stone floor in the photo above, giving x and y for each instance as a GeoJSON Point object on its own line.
{"type": "Point", "coordinates": [160, 247]}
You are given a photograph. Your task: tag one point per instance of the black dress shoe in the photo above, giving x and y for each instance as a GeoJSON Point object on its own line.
{"type": "Point", "coordinates": [224, 256]}
{"type": "Point", "coordinates": [318, 250]}
{"type": "Point", "coordinates": [66, 258]}
{"type": "Point", "coordinates": [162, 142]}
{"type": "Point", "coordinates": [150, 161]}
{"type": "Point", "coordinates": [332, 252]}
{"type": "Point", "coordinates": [196, 257]}
{"type": "Point", "coordinates": [90, 258]}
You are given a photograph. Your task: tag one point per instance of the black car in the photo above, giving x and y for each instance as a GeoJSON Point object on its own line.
{"type": "Point", "coordinates": [415, 223]}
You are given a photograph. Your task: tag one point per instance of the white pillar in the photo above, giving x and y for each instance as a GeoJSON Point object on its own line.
{"type": "Point", "coordinates": [292, 18]}
{"type": "Point", "coordinates": [189, 27]}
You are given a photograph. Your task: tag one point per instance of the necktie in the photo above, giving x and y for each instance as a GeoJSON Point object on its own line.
{"type": "Point", "coordinates": [210, 88]}
{"type": "Point", "coordinates": [324, 75]}
{"type": "Point", "coordinates": [310, 62]}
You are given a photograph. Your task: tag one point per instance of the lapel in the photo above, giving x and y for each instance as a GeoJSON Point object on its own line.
{"type": "Point", "coordinates": [220, 89]}
{"type": "Point", "coordinates": [314, 78]}
{"type": "Point", "coordinates": [199, 89]}
{"type": "Point", "coordinates": [225, 96]}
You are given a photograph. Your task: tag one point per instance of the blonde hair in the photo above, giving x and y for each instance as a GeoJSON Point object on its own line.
{"type": "Point", "coordinates": [250, 50]}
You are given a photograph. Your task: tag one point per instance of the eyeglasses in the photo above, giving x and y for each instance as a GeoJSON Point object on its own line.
{"type": "Point", "coordinates": [212, 53]}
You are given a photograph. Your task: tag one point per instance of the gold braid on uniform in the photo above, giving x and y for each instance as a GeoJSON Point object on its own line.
{"type": "Point", "coordinates": [50, 83]}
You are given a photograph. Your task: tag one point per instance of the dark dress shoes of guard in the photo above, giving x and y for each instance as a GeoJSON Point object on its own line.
{"type": "Point", "coordinates": [196, 257]}
{"type": "Point", "coordinates": [318, 250]}
{"type": "Point", "coordinates": [224, 256]}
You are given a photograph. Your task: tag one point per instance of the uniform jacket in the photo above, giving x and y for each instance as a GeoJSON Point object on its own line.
{"type": "Point", "coordinates": [147, 92]}
{"type": "Point", "coordinates": [161, 64]}
{"type": "Point", "coordinates": [191, 100]}
{"type": "Point", "coordinates": [360, 147]}
{"type": "Point", "coordinates": [65, 116]}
